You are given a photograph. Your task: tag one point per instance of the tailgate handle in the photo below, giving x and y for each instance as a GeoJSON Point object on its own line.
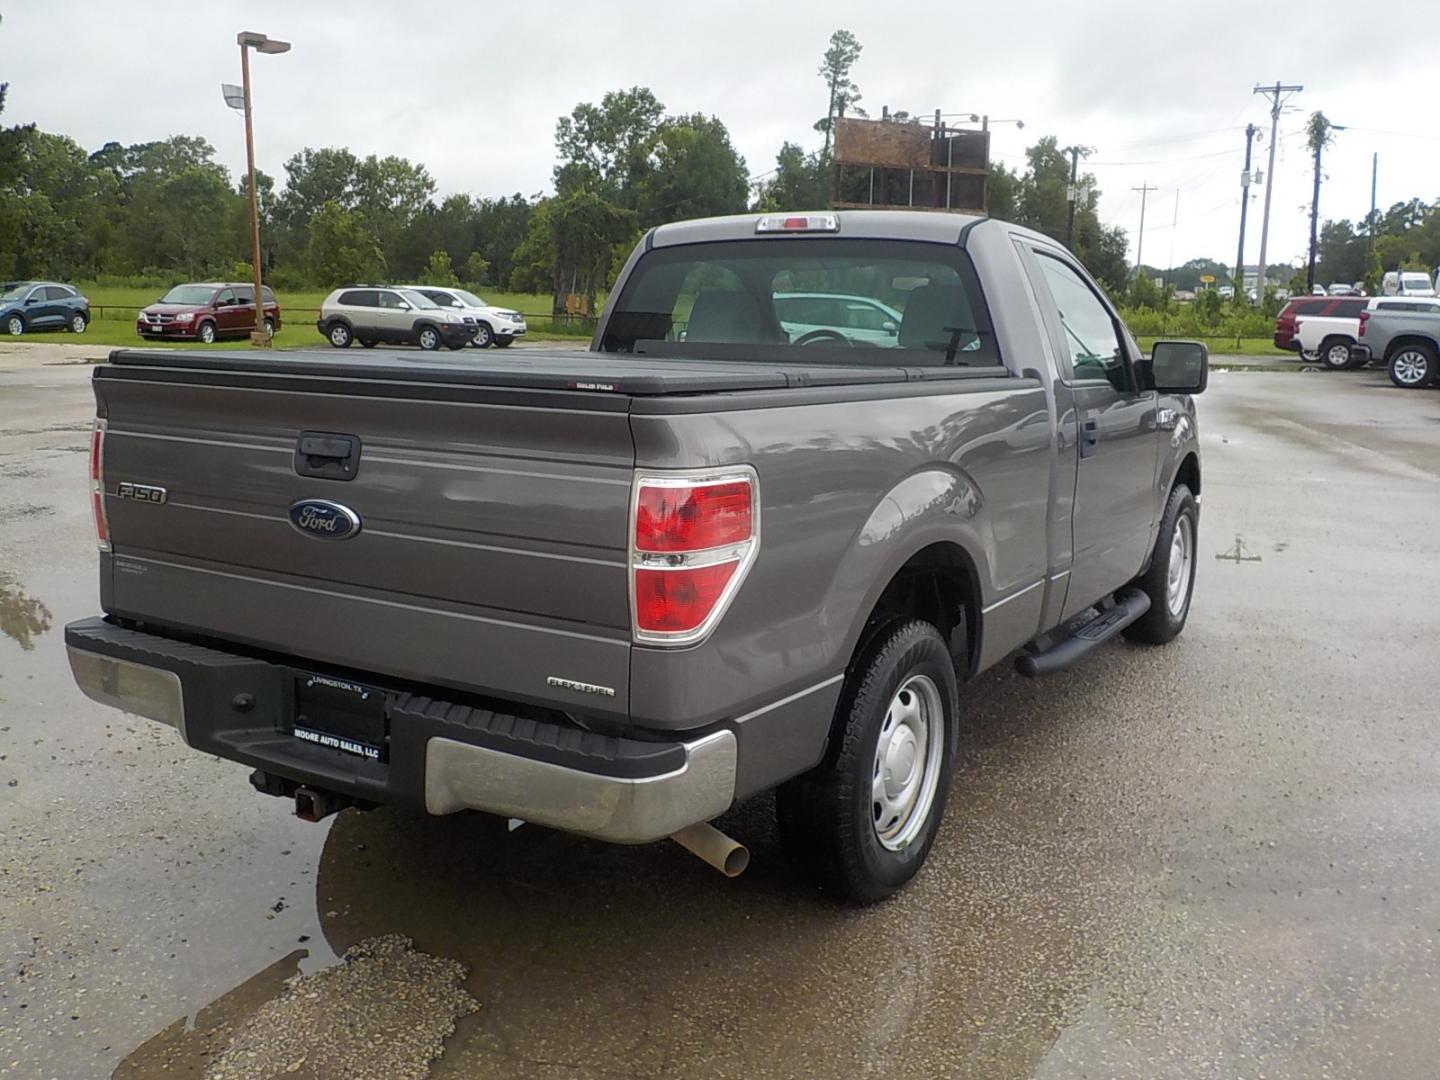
{"type": "Point", "coordinates": [327, 455]}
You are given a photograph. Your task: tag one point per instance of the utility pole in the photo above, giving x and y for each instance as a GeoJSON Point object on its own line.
{"type": "Point", "coordinates": [1370, 232]}
{"type": "Point", "coordinates": [1073, 192]}
{"type": "Point", "coordinates": [1144, 190]}
{"type": "Point", "coordinates": [1275, 94]}
{"type": "Point", "coordinates": [1250, 132]}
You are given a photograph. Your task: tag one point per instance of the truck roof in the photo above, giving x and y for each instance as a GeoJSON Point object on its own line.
{"type": "Point", "coordinates": [933, 226]}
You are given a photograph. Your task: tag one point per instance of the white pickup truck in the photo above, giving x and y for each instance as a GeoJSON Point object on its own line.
{"type": "Point", "coordinates": [1331, 338]}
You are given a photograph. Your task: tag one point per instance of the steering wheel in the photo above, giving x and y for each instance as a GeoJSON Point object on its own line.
{"type": "Point", "coordinates": [822, 337]}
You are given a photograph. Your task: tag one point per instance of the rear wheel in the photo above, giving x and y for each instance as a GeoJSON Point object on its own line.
{"type": "Point", "coordinates": [1412, 366]}
{"type": "Point", "coordinates": [367, 343]}
{"type": "Point", "coordinates": [78, 323]}
{"type": "Point", "coordinates": [456, 346]}
{"type": "Point", "coordinates": [484, 336]}
{"type": "Point", "coordinates": [429, 339]}
{"type": "Point", "coordinates": [206, 334]}
{"type": "Point", "coordinates": [864, 819]}
{"type": "Point", "coordinates": [1170, 580]}
{"type": "Point", "coordinates": [1335, 353]}
{"type": "Point", "coordinates": [340, 335]}
{"type": "Point", "coordinates": [269, 327]}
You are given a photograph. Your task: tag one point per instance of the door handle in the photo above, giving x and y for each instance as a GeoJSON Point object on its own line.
{"type": "Point", "coordinates": [327, 456]}
{"type": "Point", "coordinates": [1089, 437]}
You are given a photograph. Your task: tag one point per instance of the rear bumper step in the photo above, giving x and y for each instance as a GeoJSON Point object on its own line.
{"type": "Point", "coordinates": [442, 755]}
{"type": "Point", "coordinates": [1128, 607]}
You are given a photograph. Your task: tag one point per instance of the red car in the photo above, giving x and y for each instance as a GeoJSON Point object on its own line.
{"type": "Point", "coordinates": [1344, 306]}
{"type": "Point", "coordinates": [207, 312]}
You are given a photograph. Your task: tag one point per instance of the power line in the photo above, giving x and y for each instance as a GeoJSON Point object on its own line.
{"type": "Point", "coordinates": [1170, 161]}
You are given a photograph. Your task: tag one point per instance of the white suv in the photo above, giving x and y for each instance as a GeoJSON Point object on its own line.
{"type": "Point", "coordinates": [371, 314]}
{"type": "Point", "coordinates": [493, 325]}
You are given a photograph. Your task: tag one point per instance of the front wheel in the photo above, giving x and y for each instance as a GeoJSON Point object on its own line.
{"type": "Point", "coordinates": [864, 819]}
{"type": "Point", "coordinates": [78, 323]}
{"type": "Point", "coordinates": [429, 339]}
{"type": "Point", "coordinates": [1412, 366]}
{"type": "Point", "coordinates": [484, 336]}
{"type": "Point", "coordinates": [206, 333]}
{"type": "Point", "coordinates": [1335, 353]}
{"type": "Point", "coordinates": [340, 335]}
{"type": "Point", "coordinates": [14, 326]}
{"type": "Point", "coordinates": [1170, 580]}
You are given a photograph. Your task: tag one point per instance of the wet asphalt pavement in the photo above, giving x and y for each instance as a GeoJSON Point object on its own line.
{"type": "Point", "coordinates": [1220, 858]}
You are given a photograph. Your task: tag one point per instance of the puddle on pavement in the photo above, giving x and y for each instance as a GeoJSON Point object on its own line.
{"type": "Point", "coordinates": [22, 617]}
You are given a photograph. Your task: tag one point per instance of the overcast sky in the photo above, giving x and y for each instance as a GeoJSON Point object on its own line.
{"type": "Point", "coordinates": [1161, 91]}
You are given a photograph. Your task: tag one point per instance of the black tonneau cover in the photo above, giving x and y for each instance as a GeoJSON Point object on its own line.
{"type": "Point", "coordinates": [535, 369]}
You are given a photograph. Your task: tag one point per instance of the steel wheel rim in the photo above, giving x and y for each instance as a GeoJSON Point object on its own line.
{"type": "Point", "coordinates": [1411, 367]}
{"type": "Point", "coordinates": [429, 339]}
{"type": "Point", "coordinates": [14, 327]}
{"type": "Point", "coordinates": [908, 757]}
{"type": "Point", "coordinates": [1338, 356]}
{"type": "Point", "coordinates": [77, 324]}
{"type": "Point", "coordinates": [1182, 555]}
{"type": "Point", "coordinates": [483, 336]}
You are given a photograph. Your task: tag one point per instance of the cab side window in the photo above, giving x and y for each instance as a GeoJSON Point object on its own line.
{"type": "Point", "coordinates": [225, 298]}
{"type": "Point", "coordinates": [1094, 346]}
{"type": "Point", "coordinates": [390, 300]}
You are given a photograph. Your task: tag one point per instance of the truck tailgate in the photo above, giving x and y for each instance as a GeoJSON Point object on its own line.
{"type": "Point", "coordinates": [493, 522]}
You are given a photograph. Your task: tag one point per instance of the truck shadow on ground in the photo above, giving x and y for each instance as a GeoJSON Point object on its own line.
{"type": "Point", "coordinates": [590, 959]}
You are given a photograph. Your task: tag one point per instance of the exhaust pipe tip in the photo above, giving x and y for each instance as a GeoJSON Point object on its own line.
{"type": "Point", "coordinates": [712, 846]}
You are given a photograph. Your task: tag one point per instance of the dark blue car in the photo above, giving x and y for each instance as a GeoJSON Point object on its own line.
{"type": "Point", "coordinates": [41, 305]}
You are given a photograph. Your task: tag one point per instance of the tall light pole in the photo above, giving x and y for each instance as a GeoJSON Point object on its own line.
{"type": "Point", "coordinates": [248, 40]}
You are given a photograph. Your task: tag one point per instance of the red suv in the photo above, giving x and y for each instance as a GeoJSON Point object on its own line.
{"type": "Point", "coordinates": [1341, 306]}
{"type": "Point", "coordinates": [207, 312]}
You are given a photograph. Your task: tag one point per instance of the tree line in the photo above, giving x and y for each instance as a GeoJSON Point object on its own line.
{"type": "Point", "coordinates": [167, 209]}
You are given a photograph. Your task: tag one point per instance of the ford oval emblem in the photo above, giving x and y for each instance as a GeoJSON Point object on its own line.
{"type": "Point", "coordinates": [324, 520]}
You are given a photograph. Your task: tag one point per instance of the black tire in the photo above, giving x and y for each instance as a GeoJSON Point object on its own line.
{"type": "Point", "coordinates": [367, 343]}
{"type": "Point", "coordinates": [428, 338]}
{"type": "Point", "coordinates": [269, 327]}
{"type": "Point", "coordinates": [1413, 366]}
{"type": "Point", "coordinates": [456, 346]}
{"type": "Point", "coordinates": [484, 336]}
{"type": "Point", "coordinates": [827, 817]}
{"type": "Point", "coordinates": [1164, 621]}
{"type": "Point", "coordinates": [504, 342]}
{"type": "Point", "coordinates": [205, 333]}
{"type": "Point", "coordinates": [340, 335]}
{"type": "Point", "coordinates": [1335, 353]}
{"type": "Point", "coordinates": [79, 323]}
{"type": "Point", "coordinates": [14, 324]}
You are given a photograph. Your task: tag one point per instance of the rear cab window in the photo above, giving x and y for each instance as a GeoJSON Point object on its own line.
{"type": "Point", "coordinates": [816, 300]}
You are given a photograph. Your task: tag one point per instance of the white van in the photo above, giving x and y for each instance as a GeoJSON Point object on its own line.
{"type": "Point", "coordinates": [1407, 283]}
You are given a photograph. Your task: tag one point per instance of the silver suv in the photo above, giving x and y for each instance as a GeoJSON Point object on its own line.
{"type": "Point", "coordinates": [493, 325]}
{"type": "Point", "coordinates": [371, 314]}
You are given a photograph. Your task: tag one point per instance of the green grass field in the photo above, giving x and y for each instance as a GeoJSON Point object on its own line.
{"type": "Point", "coordinates": [113, 310]}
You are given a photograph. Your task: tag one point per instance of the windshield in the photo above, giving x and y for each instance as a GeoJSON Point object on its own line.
{"type": "Point", "coordinates": [188, 294]}
{"type": "Point", "coordinates": [469, 298]}
{"type": "Point", "coordinates": [419, 300]}
{"type": "Point", "coordinates": [1415, 283]}
{"type": "Point", "coordinates": [14, 292]}
{"type": "Point", "coordinates": [824, 300]}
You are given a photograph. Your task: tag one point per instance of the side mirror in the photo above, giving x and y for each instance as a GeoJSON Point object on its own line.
{"type": "Point", "coordinates": [1179, 367]}
{"type": "Point", "coordinates": [404, 306]}
{"type": "Point", "coordinates": [890, 328]}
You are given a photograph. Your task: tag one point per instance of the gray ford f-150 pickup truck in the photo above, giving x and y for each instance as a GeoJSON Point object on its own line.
{"type": "Point", "coordinates": [618, 591]}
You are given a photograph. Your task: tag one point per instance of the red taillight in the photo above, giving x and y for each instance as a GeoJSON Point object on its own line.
{"type": "Point", "coordinates": [97, 485]}
{"type": "Point", "coordinates": [692, 518]}
{"type": "Point", "coordinates": [1364, 318]}
{"type": "Point", "coordinates": [694, 536]}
